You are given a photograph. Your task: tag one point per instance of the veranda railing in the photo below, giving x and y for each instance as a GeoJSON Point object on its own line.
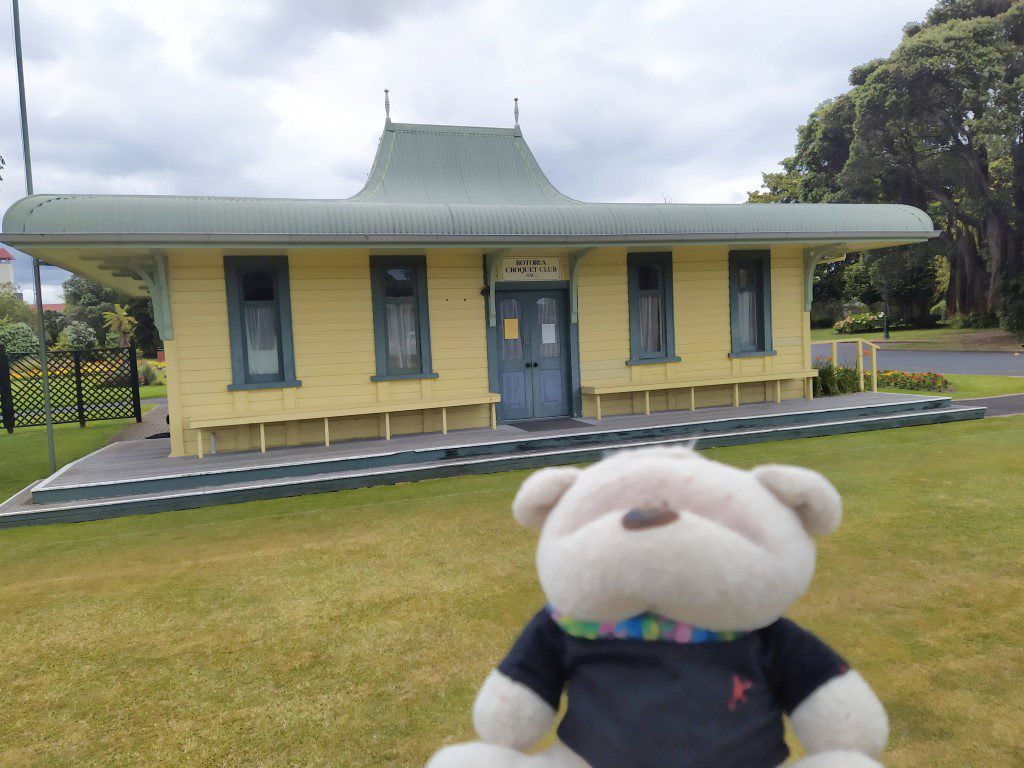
{"type": "Point", "coordinates": [871, 351]}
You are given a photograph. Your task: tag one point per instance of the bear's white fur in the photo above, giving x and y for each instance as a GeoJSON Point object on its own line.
{"type": "Point", "coordinates": [738, 554]}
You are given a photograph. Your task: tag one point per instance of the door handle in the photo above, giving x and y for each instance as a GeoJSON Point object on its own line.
{"type": "Point", "coordinates": [532, 365]}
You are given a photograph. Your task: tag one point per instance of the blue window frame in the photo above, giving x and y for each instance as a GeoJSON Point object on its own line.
{"type": "Point", "coordinates": [259, 322]}
{"type": "Point", "coordinates": [401, 320]}
{"type": "Point", "coordinates": [651, 318]}
{"type": "Point", "coordinates": [750, 303]}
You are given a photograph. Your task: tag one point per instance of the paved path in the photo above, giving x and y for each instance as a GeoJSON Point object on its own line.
{"type": "Point", "coordinates": [1002, 405]}
{"type": "Point", "coordinates": [924, 361]}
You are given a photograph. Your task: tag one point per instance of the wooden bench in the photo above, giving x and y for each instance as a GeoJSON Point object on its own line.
{"type": "Point", "coordinates": [248, 419]}
{"type": "Point", "coordinates": [647, 387]}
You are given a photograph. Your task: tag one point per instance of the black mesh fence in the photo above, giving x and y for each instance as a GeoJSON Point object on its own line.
{"type": "Point", "coordinates": [85, 385]}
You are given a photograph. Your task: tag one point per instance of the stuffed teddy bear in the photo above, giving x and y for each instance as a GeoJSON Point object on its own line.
{"type": "Point", "coordinates": [666, 576]}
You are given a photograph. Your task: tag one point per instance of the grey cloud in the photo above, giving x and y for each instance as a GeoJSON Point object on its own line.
{"type": "Point", "coordinates": [288, 28]}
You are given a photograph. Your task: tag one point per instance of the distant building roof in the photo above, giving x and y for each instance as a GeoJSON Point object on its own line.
{"type": "Point", "coordinates": [5, 255]}
{"type": "Point", "coordinates": [445, 184]}
{"type": "Point", "coordinates": [53, 307]}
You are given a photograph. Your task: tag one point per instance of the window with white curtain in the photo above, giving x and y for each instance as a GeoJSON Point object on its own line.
{"type": "Point", "coordinates": [259, 321]}
{"type": "Point", "coordinates": [749, 302]}
{"type": "Point", "coordinates": [401, 326]}
{"type": "Point", "coordinates": [650, 308]}
{"type": "Point", "coordinates": [401, 320]}
{"type": "Point", "coordinates": [261, 326]}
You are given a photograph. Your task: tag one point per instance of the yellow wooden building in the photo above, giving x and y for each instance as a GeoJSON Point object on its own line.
{"type": "Point", "coordinates": [457, 289]}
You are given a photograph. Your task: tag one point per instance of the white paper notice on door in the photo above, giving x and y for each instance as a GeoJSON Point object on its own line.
{"type": "Point", "coordinates": [547, 333]}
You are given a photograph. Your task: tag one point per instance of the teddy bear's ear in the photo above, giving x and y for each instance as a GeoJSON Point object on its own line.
{"type": "Point", "coordinates": [539, 494]}
{"type": "Point", "coordinates": [808, 493]}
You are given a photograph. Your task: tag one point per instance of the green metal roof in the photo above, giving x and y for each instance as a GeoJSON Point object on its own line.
{"type": "Point", "coordinates": [444, 184]}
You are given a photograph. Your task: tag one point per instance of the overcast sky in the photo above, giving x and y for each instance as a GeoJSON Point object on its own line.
{"type": "Point", "coordinates": [621, 100]}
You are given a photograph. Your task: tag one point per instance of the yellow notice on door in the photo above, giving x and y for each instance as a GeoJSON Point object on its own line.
{"type": "Point", "coordinates": [511, 328]}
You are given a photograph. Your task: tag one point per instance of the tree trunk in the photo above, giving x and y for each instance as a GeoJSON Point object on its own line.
{"type": "Point", "coordinates": [971, 275]}
{"type": "Point", "coordinates": [1003, 251]}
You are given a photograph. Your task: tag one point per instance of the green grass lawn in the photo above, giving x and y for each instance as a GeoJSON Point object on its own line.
{"type": "Point", "coordinates": [353, 629]}
{"type": "Point", "coordinates": [966, 386]}
{"type": "Point", "coordinates": [147, 391]}
{"type": "Point", "coordinates": [23, 455]}
{"type": "Point", "coordinates": [971, 339]}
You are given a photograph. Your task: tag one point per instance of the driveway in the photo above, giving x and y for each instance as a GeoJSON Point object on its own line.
{"type": "Point", "coordinates": [924, 361]}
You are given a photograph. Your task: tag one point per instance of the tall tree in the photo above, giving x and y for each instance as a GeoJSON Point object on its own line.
{"type": "Point", "coordinates": [938, 124]}
{"type": "Point", "coordinates": [120, 322]}
{"type": "Point", "coordinates": [87, 302]}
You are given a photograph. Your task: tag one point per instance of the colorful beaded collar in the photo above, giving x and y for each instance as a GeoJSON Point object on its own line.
{"type": "Point", "coordinates": [649, 627]}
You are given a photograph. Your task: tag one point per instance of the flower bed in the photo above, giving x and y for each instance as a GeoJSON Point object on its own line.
{"type": "Point", "coordinates": [929, 382]}
{"type": "Point", "coordinates": [838, 379]}
{"type": "Point", "coordinates": [862, 323]}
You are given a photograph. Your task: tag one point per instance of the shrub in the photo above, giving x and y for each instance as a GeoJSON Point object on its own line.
{"type": "Point", "coordinates": [148, 374]}
{"type": "Point", "coordinates": [1011, 309]}
{"type": "Point", "coordinates": [18, 339]}
{"type": "Point", "coordinates": [834, 379]}
{"type": "Point", "coordinates": [76, 335]}
{"type": "Point", "coordinates": [930, 382]}
{"type": "Point", "coordinates": [973, 320]}
{"type": "Point", "coordinates": [862, 323]}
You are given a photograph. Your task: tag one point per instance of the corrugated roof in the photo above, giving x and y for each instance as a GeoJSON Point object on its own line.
{"type": "Point", "coordinates": [459, 165]}
{"type": "Point", "coordinates": [436, 183]}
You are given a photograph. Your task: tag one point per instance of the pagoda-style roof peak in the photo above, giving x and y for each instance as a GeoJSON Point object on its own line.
{"type": "Point", "coordinates": [458, 164]}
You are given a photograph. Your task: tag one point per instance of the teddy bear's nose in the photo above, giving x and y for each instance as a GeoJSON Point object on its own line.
{"type": "Point", "coordinates": [638, 519]}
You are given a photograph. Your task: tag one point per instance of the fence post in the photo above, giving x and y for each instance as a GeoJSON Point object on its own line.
{"type": "Point", "coordinates": [860, 365]}
{"type": "Point", "coordinates": [79, 393]}
{"type": "Point", "coordinates": [134, 364]}
{"type": "Point", "coordinates": [6, 397]}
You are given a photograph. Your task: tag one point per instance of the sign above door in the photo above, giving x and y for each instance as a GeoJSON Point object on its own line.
{"type": "Point", "coordinates": [530, 268]}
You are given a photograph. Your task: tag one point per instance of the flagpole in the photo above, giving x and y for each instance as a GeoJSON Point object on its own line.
{"type": "Point", "coordinates": [35, 262]}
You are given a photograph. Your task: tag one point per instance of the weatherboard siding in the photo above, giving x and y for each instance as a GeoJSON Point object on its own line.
{"type": "Point", "coordinates": [333, 337]}
{"type": "Point", "coordinates": [700, 276]}
{"type": "Point", "coordinates": [332, 331]}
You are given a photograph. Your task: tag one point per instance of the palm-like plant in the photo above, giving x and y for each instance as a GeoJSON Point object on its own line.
{"type": "Point", "coordinates": [120, 322]}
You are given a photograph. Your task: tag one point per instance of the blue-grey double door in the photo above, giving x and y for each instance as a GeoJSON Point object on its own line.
{"type": "Point", "coordinates": [533, 354]}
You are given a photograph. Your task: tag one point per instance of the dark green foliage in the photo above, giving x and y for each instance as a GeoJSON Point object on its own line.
{"type": "Point", "coordinates": [148, 374]}
{"type": "Point", "coordinates": [938, 124]}
{"type": "Point", "coordinates": [906, 277]}
{"type": "Point", "coordinates": [973, 320]}
{"type": "Point", "coordinates": [834, 379]}
{"type": "Point", "coordinates": [13, 309]}
{"type": "Point", "coordinates": [54, 323]}
{"type": "Point", "coordinates": [76, 335]}
{"type": "Point", "coordinates": [1011, 309]}
{"type": "Point", "coordinates": [86, 302]}
{"type": "Point", "coordinates": [18, 338]}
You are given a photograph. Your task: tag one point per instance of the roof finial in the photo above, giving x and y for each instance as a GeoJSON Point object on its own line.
{"type": "Point", "coordinates": [387, 105]}
{"type": "Point", "coordinates": [516, 111]}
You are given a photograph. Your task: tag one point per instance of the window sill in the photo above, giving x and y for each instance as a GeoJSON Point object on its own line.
{"type": "Point", "coordinates": [404, 377]}
{"type": "Point", "coordinates": [653, 360]}
{"type": "Point", "coordinates": [264, 385]}
{"type": "Point", "coordinates": [754, 353]}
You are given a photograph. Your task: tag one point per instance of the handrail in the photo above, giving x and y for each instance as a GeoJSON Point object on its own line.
{"type": "Point", "coordinates": [860, 359]}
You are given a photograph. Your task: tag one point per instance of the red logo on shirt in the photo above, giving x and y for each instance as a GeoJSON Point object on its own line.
{"type": "Point", "coordinates": [739, 692]}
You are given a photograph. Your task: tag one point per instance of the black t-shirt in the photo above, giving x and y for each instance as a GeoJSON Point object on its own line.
{"type": "Point", "coordinates": [635, 703]}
